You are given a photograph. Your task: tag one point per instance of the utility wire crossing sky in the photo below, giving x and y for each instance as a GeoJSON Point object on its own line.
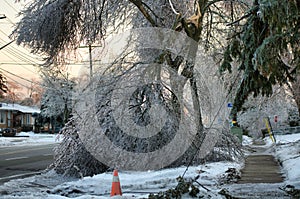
{"type": "Point", "coordinates": [16, 62]}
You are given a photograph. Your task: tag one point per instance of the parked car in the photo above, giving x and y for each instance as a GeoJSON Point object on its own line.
{"type": "Point", "coordinates": [8, 132]}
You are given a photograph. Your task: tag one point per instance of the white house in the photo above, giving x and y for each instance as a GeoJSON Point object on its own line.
{"type": "Point", "coordinates": [17, 116]}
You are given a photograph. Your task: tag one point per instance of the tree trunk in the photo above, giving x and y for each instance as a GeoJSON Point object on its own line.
{"type": "Point", "coordinates": [196, 104]}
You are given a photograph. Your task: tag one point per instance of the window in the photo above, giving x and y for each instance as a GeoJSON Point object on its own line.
{"type": "Point", "coordinates": [27, 119]}
{"type": "Point", "coordinates": [2, 117]}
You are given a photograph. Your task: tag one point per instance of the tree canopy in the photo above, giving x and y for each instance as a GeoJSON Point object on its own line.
{"type": "Point", "coordinates": [54, 28]}
{"type": "Point", "coordinates": [264, 40]}
{"type": "Point", "coordinates": [56, 100]}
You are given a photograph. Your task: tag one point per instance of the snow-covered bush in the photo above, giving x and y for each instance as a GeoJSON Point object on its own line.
{"type": "Point", "coordinates": [293, 117]}
{"type": "Point", "coordinates": [255, 109]}
{"type": "Point", "coordinates": [228, 148]}
{"type": "Point", "coordinates": [72, 159]}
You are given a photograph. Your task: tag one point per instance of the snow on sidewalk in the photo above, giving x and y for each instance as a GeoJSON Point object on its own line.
{"type": "Point", "coordinates": [287, 152]}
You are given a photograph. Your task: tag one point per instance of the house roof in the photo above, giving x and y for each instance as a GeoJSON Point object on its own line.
{"type": "Point", "coordinates": [18, 107]}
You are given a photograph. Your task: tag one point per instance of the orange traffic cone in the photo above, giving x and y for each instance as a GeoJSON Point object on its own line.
{"type": "Point", "coordinates": [116, 186]}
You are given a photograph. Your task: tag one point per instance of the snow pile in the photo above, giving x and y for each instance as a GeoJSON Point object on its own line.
{"type": "Point", "coordinates": [287, 151]}
{"type": "Point", "coordinates": [247, 140]}
{"type": "Point", "coordinates": [134, 184]}
{"type": "Point", "coordinates": [26, 138]}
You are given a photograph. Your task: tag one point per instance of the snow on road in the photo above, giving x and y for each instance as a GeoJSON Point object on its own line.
{"type": "Point", "coordinates": [140, 184]}
{"type": "Point", "coordinates": [30, 138]}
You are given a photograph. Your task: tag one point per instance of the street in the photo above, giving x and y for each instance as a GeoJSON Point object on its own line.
{"type": "Point", "coordinates": [21, 161]}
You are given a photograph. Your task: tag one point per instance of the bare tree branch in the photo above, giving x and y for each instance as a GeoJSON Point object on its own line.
{"type": "Point", "coordinates": [139, 5]}
{"type": "Point", "coordinates": [172, 7]}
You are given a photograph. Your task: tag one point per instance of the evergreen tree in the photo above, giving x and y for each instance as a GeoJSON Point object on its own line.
{"type": "Point", "coordinates": [266, 47]}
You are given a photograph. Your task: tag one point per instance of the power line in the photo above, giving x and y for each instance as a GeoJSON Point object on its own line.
{"type": "Point", "coordinates": [18, 76]}
{"type": "Point", "coordinates": [5, 45]}
{"type": "Point", "coordinates": [20, 64]}
{"type": "Point", "coordinates": [20, 56]}
{"type": "Point", "coordinates": [14, 54]}
{"type": "Point", "coordinates": [30, 81]}
{"type": "Point", "coordinates": [27, 55]}
{"type": "Point", "coordinates": [9, 21]}
{"type": "Point", "coordinates": [18, 82]}
{"type": "Point", "coordinates": [16, 51]}
{"type": "Point", "coordinates": [11, 6]}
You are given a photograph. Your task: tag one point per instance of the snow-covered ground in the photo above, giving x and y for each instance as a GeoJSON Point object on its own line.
{"type": "Point", "coordinates": [287, 151]}
{"type": "Point", "coordinates": [140, 184]}
{"type": "Point", "coordinates": [30, 138]}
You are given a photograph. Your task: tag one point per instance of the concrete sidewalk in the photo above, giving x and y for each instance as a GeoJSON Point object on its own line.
{"type": "Point", "coordinates": [261, 177]}
{"type": "Point", "coordinates": [260, 167]}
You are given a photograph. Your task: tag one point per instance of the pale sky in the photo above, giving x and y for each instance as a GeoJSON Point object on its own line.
{"type": "Point", "coordinates": [16, 60]}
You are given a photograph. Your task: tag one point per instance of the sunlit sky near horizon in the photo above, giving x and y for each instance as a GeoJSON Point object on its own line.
{"type": "Point", "coordinates": [16, 62]}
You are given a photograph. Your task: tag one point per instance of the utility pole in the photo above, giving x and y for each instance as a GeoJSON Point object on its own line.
{"type": "Point", "coordinates": [90, 58]}
{"type": "Point", "coordinates": [2, 16]}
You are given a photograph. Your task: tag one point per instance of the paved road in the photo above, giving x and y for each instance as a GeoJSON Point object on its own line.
{"type": "Point", "coordinates": [20, 161]}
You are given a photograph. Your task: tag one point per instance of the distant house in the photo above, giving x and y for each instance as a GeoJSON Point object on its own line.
{"type": "Point", "coordinates": [17, 116]}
